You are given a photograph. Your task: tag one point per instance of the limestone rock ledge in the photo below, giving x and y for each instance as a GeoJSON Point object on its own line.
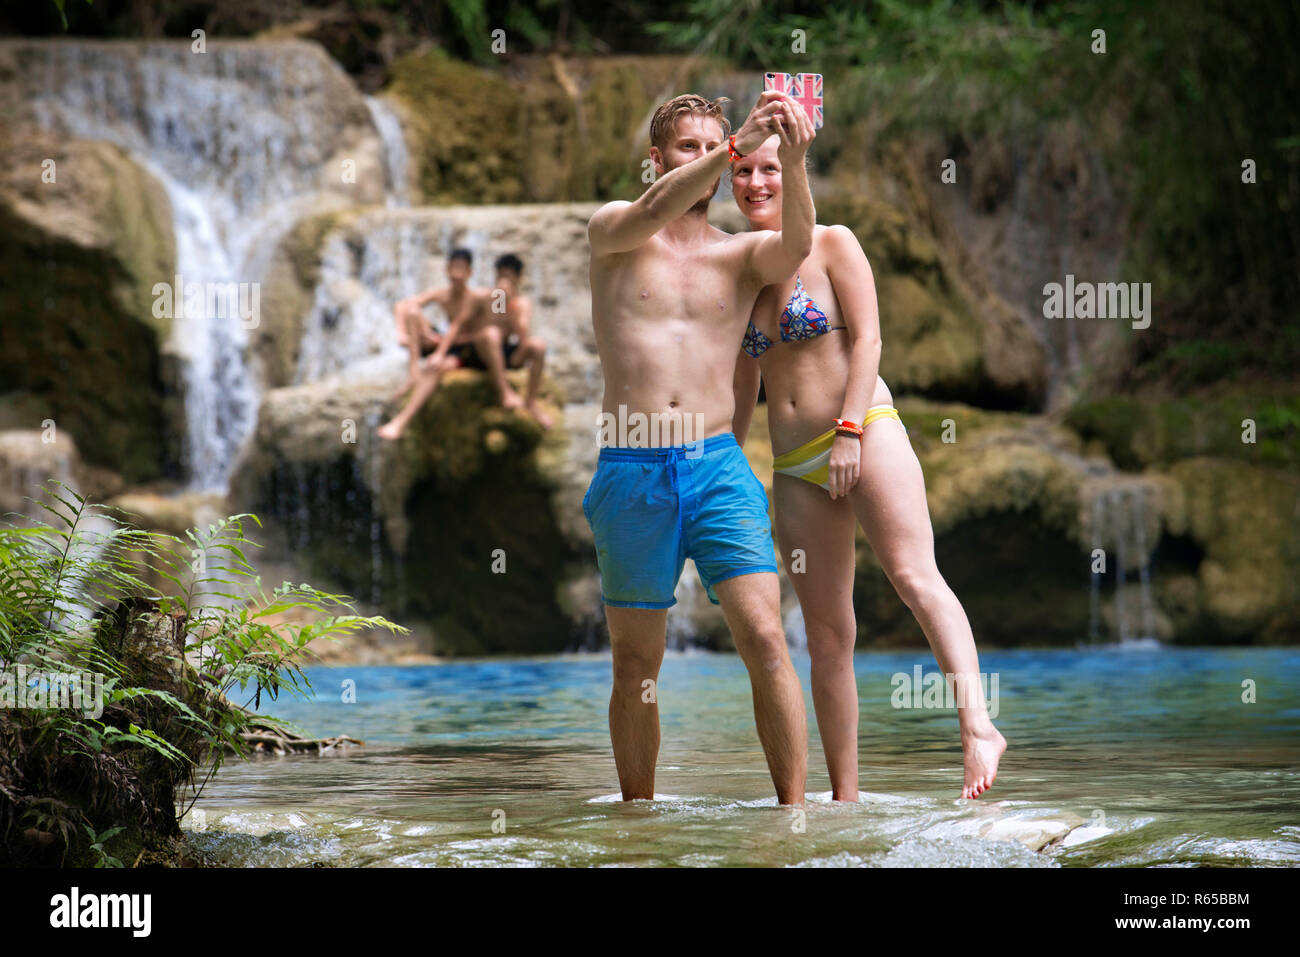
{"type": "Point", "coordinates": [454, 525]}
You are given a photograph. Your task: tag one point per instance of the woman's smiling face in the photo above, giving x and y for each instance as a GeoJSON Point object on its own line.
{"type": "Point", "coordinates": [756, 184]}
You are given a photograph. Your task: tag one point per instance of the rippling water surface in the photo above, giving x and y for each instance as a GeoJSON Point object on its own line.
{"type": "Point", "coordinates": [1116, 757]}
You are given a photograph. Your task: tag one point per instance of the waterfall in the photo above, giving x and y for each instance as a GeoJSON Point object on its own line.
{"type": "Point", "coordinates": [395, 155]}
{"type": "Point", "coordinates": [1118, 518]}
{"type": "Point", "coordinates": [680, 630]}
{"type": "Point", "coordinates": [245, 138]}
{"type": "Point", "coordinates": [220, 395]}
{"type": "Point", "coordinates": [796, 632]}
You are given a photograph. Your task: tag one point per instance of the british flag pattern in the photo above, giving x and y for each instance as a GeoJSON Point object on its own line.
{"type": "Point", "coordinates": [803, 87]}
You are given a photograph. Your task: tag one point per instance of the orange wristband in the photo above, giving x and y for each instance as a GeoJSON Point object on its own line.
{"type": "Point", "coordinates": [734, 153]}
{"type": "Point", "coordinates": [845, 427]}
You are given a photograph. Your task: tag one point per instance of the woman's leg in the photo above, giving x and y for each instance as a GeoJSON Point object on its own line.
{"type": "Point", "coordinates": [816, 539]}
{"type": "Point", "coordinates": [890, 502]}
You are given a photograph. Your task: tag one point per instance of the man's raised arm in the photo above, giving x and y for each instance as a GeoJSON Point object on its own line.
{"type": "Point", "coordinates": [621, 226]}
{"type": "Point", "coordinates": [777, 255]}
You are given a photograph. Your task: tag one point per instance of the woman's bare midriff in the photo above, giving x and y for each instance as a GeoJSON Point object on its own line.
{"type": "Point", "coordinates": [805, 383]}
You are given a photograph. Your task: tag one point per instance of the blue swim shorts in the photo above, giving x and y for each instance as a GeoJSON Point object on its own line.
{"type": "Point", "coordinates": [651, 509]}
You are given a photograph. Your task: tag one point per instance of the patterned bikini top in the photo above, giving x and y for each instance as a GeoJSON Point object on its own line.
{"type": "Point", "coordinates": [802, 319]}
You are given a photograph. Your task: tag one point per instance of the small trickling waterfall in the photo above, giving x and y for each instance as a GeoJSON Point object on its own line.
{"type": "Point", "coordinates": [1119, 519]}
{"type": "Point", "coordinates": [796, 633]}
{"type": "Point", "coordinates": [395, 153]}
{"type": "Point", "coordinates": [680, 630]}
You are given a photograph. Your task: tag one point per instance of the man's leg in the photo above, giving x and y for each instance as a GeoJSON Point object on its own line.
{"type": "Point", "coordinates": [636, 636]}
{"type": "Point", "coordinates": [532, 354]}
{"type": "Point", "coordinates": [752, 606]}
{"type": "Point", "coordinates": [424, 387]}
{"type": "Point", "coordinates": [417, 337]}
{"type": "Point", "coordinates": [488, 343]}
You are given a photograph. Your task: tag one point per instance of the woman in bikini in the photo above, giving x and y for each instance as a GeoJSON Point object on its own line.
{"type": "Point", "coordinates": [842, 457]}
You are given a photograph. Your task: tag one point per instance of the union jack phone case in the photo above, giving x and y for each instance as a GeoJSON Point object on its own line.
{"type": "Point", "coordinates": [804, 87]}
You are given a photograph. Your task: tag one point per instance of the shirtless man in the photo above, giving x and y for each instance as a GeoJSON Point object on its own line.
{"type": "Point", "coordinates": [523, 349]}
{"type": "Point", "coordinates": [414, 330]}
{"type": "Point", "coordinates": [475, 331]}
{"type": "Point", "coordinates": [670, 298]}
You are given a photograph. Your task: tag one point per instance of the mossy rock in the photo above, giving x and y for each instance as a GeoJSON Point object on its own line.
{"type": "Point", "coordinates": [464, 124]}
{"type": "Point", "coordinates": [1138, 432]}
{"type": "Point", "coordinates": [540, 129]}
{"type": "Point", "coordinates": [80, 344]}
{"type": "Point", "coordinates": [1245, 520]}
{"type": "Point", "coordinates": [936, 341]}
{"type": "Point", "coordinates": [1001, 486]}
{"type": "Point", "coordinates": [453, 525]}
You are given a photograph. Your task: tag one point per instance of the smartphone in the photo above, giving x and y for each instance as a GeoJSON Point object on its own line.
{"type": "Point", "coordinates": [804, 87]}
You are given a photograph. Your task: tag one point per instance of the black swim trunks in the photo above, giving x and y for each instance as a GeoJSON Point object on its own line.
{"type": "Point", "coordinates": [467, 353]}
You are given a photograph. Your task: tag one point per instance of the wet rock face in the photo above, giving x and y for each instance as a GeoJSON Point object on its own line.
{"type": "Point", "coordinates": [1243, 523]}
{"type": "Point", "coordinates": [79, 345]}
{"type": "Point", "coordinates": [941, 337]}
{"type": "Point", "coordinates": [453, 525]}
{"type": "Point", "coordinates": [335, 278]}
{"type": "Point", "coordinates": [1026, 208]}
{"type": "Point", "coordinates": [245, 139]}
{"type": "Point", "coordinates": [545, 130]}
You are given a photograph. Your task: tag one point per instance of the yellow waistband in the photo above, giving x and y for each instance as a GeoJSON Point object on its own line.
{"type": "Point", "coordinates": [823, 442]}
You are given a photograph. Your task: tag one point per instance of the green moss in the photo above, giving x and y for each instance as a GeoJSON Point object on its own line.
{"type": "Point", "coordinates": [465, 125]}
{"type": "Point", "coordinates": [70, 350]}
{"type": "Point", "coordinates": [1139, 432]}
{"type": "Point", "coordinates": [543, 129]}
{"type": "Point", "coordinates": [1246, 518]}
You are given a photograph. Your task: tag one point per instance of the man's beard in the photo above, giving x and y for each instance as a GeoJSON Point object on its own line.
{"type": "Point", "coordinates": [703, 205]}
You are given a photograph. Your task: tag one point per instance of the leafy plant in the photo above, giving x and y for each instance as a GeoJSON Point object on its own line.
{"type": "Point", "coordinates": [102, 857]}
{"type": "Point", "coordinates": [72, 589]}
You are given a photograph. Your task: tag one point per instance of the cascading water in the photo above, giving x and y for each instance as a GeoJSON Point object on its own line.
{"type": "Point", "coordinates": [1119, 514]}
{"type": "Point", "coordinates": [796, 632]}
{"type": "Point", "coordinates": [679, 631]}
{"type": "Point", "coordinates": [244, 138]}
{"type": "Point", "coordinates": [395, 154]}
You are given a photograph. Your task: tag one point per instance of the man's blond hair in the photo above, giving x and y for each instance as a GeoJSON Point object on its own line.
{"type": "Point", "coordinates": [663, 123]}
